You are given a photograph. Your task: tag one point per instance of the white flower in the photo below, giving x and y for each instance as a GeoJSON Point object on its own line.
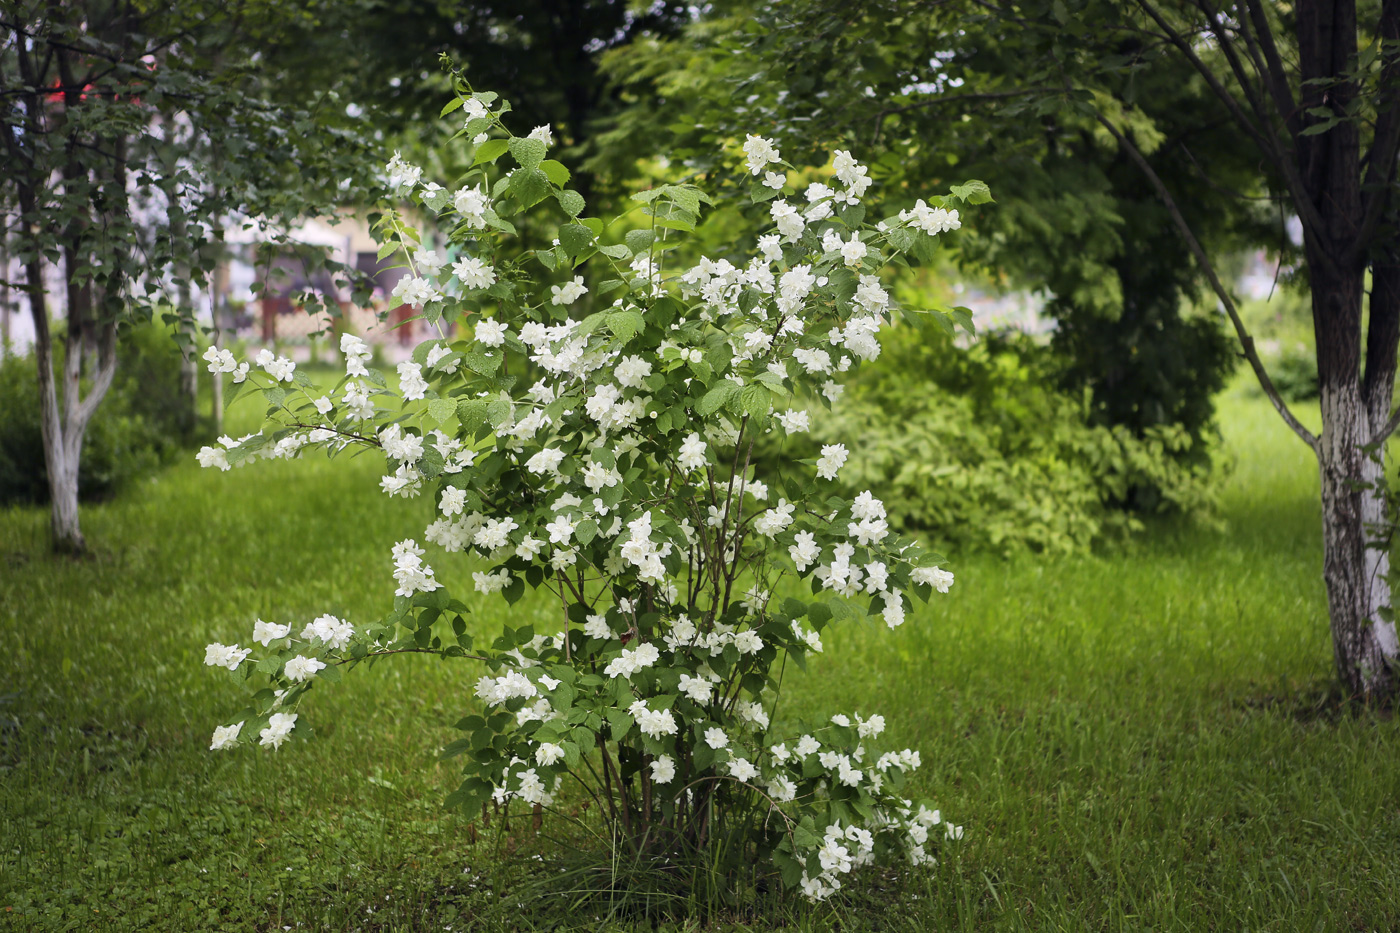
{"type": "Point", "coordinates": [569, 292]}
{"type": "Point", "coordinates": [428, 261]}
{"type": "Point", "coordinates": [788, 221]}
{"type": "Point", "coordinates": [776, 520]}
{"type": "Point", "coordinates": [805, 551]}
{"type": "Point", "coordinates": [748, 642]}
{"type": "Point", "coordinates": [266, 632]}
{"type": "Point", "coordinates": [411, 381]}
{"type": "Point", "coordinates": [412, 574]}
{"type": "Point", "coordinates": [416, 290]}
{"type": "Point", "coordinates": [560, 530]}
{"type": "Point", "coordinates": [632, 660]}
{"type": "Point", "coordinates": [807, 746]}
{"type": "Point", "coordinates": [740, 769]}
{"type": "Point", "coordinates": [490, 333]}
{"type": "Point", "coordinates": [474, 109]}
{"type": "Point", "coordinates": [401, 175]}
{"type": "Point", "coordinates": [474, 272]}
{"type": "Point", "coordinates": [697, 688]}
{"type": "Point", "coordinates": [213, 457]}
{"type": "Point", "coordinates": [453, 500]}
{"type": "Point", "coordinates": [894, 609]}
{"type": "Point", "coordinates": [869, 728]}
{"type": "Point", "coordinates": [543, 134]}
{"type": "Point", "coordinates": [759, 152]}
{"type": "Point", "coordinates": [937, 577]}
{"type": "Point", "coordinates": [301, 668]}
{"type": "Point", "coordinates": [330, 631]}
{"type": "Point", "coordinates": [279, 726]}
{"type": "Point", "coordinates": [472, 204]}
{"type": "Point", "coordinates": [781, 789]}
{"type": "Point", "coordinates": [663, 769]}
{"type": "Point", "coordinates": [931, 220]}
{"type": "Point", "coordinates": [654, 723]}
{"type": "Point", "coordinates": [220, 361]}
{"type": "Point", "coordinates": [225, 737]}
{"type": "Point", "coordinates": [435, 356]}
{"type": "Point", "coordinates": [631, 371]}
{"type": "Point", "coordinates": [775, 180]}
{"type": "Point", "coordinates": [832, 459]}
{"type": "Point", "coordinates": [794, 420]}
{"type": "Point", "coordinates": [715, 737]}
{"type": "Point", "coordinates": [546, 461]}
{"type": "Point", "coordinates": [853, 251]}
{"type": "Point", "coordinates": [693, 453]}
{"type": "Point", "coordinates": [491, 582]}
{"type": "Point", "coordinates": [229, 656]}
{"type": "Point", "coordinates": [596, 626]}
{"type": "Point", "coordinates": [769, 247]}
{"type": "Point", "coordinates": [548, 753]}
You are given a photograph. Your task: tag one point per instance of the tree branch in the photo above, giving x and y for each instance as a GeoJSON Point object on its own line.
{"type": "Point", "coordinates": [1268, 145]}
{"type": "Point", "coordinates": [1246, 341]}
{"type": "Point", "coordinates": [1380, 160]}
{"type": "Point", "coordinates": [1277, 74]}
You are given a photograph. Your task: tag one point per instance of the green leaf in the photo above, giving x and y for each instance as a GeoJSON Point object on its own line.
{"type": "Point", "coordinates": [973, 192]}
{"type": "Point", "coordinates": [572, 202]}
{"type": "Point", "coordinates": [498, 411]}
{"type": "Point", "coordinates": [626, 325]}
{"type": "Point", "coordinates": [555, 172]}
{"type": "Point", "coordinates": [759, 192]}
{"type": "Point", "coordinates": [529, 186]}
{"type": "Point", "coordinates": [453, 104]}
{"type": "Point", "coordinates": [528, 152]}
{"type": "Point", "coordinates": [638, 241]}
{"type": "Point", "coordinates": [586, 531]}
{"type": "Point", "coordinates": [716, 398]}
{"type": "Point", "coordinates": [616, 251]}
{"type": "Point", "coordinates": [490, 150]}
{"type": "Point", "coordinates": [575, 238]}
{"type": "Point", "coordinates": [442, 409]}
{"type": "Point", "coordinates": [430, 464]}
{"type": "Point", "coordinates": [755, 400]}
{"type": "Point", "coordinates": [471, 412]}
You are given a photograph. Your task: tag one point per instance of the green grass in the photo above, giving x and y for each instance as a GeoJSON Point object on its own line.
{"type": "Point", "coordinates": [1138, 739]}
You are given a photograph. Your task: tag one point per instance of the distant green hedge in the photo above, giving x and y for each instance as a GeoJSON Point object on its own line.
{"type": "Point", "coordinates": [980, 449]}
{"type": "Point", "coordinates": [141, 423]}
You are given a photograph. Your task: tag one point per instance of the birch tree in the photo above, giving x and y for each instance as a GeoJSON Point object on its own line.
{"type": "Point", "coordinates": [99, 189]}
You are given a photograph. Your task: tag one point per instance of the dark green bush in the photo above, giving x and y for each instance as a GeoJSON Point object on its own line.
{"type": "Point", "coordinates": [142, 422]}
{"type": "Point", "coordinates": [1294, 374]}
{"type": "Point", "coordinates": [981, 449]}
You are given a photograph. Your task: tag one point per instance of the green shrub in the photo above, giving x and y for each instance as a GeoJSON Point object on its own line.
{"type": "Point", "coordinates": [142, 422]}
{"type": "Point", "coordinates": [1294, 373]}
{"type": "Point", "coordinates": [980, 449]}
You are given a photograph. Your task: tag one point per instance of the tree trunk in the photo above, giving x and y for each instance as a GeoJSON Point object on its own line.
{"type": "Point", "coordinates": [63, 420]}
{"type": "Point", "coordinates": [1355, 568]}
{"type": "Point", "coordinates": [66, 535]}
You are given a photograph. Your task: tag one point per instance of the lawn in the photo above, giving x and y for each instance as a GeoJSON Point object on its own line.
{"type": "Point", "coordinates": [1136, 739]}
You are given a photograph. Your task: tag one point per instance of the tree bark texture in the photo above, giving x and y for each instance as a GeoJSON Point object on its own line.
{"type": "Point", "coordinates": [1350, 450]}
{"type": "Point", "coordinates": [90, 339]}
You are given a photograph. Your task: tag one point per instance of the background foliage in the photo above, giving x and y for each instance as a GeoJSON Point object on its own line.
{"type": "Point", "coordinates": [981, 448]}
{"type": "Point", "coordinates": [143, 423]}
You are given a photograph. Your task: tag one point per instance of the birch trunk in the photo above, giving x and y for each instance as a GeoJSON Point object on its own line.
{"type": "Point", "coordinates": [1356, 561]}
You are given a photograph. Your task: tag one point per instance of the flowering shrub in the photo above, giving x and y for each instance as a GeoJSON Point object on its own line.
{"type": "Point", "coordinates": [605, 457]}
